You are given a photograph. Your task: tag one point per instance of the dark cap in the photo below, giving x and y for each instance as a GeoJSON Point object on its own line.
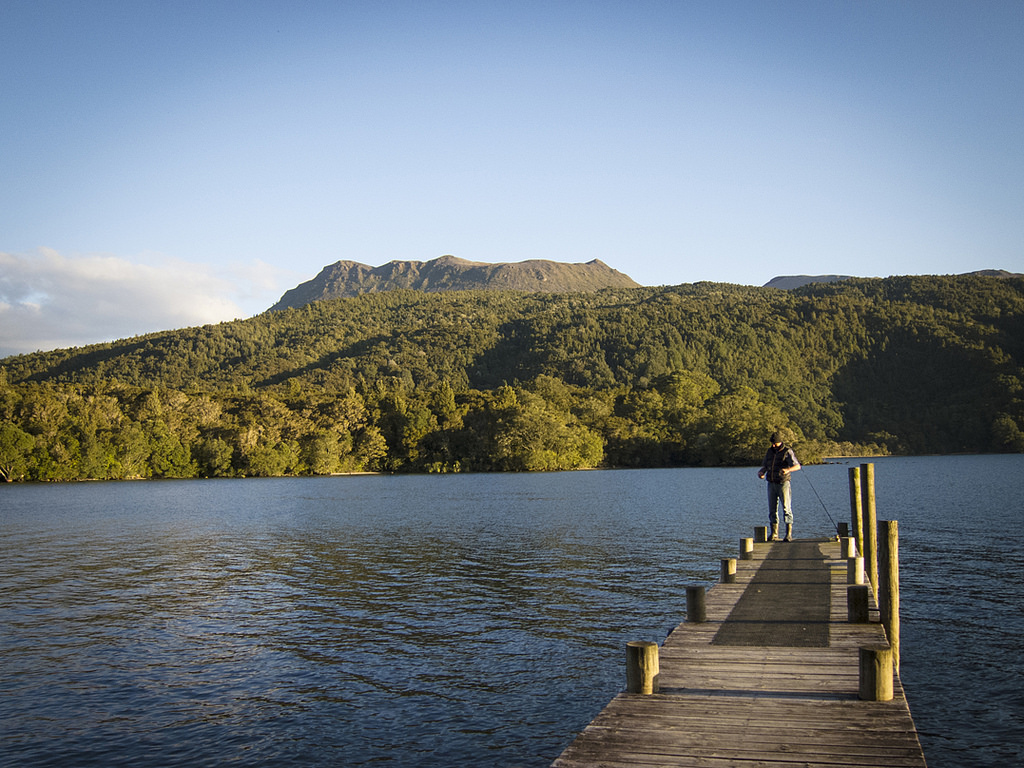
{"type": "Point", "coordinates": [776, 437]}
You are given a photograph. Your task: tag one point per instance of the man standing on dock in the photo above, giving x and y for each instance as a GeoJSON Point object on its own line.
{"type": "Point", "coordinates": [779, 463]}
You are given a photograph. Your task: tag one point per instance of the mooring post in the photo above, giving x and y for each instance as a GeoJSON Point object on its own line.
{"type": "Point", "coordinates": [870, 545]}
{"type": "Point", "coordinates": [747, 549]}
{"type": "Point", "coordinates": [856, 509]}
{"type": "Point", "coordinates": [849, 546]}
{"type": "Point", "coordinates": [641, 666]}
{"type": "Point", "coordinates": [843, 529]}
{"type": "Point", "coordinates": [761, 534]}
{"type": "Point", "coordinates": [889, 584]}
{"type": "Point", "coordinates": [876, 673]}
{"type": "Point", "coordinates": [857, 603]}
{"type": "Point", "coordinates": [728, 570]}
{"type": "Point", "coordinates": [855, 570]}
{"type": "Point", "coordinates": [696, 610]}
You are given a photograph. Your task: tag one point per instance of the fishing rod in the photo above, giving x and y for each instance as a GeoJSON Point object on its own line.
{"type": "Point", "coordinates": [834, 524]}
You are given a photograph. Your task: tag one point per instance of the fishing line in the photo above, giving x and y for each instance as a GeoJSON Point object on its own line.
{"type": "Point", "coordinates": [834, 524]}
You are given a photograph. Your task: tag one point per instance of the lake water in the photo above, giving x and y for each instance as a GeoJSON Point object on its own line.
{"type": "Point", "coordinates": [473, 620]}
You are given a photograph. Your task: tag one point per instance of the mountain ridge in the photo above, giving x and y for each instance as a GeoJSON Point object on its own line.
{"type": "Point", "coordinates": [790, 282]}
{"type": "Point", "coordinates": [346, 279]}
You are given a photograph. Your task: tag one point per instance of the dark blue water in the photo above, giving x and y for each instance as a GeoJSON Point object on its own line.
{"type": "Point", "coordinates": [447, 620]}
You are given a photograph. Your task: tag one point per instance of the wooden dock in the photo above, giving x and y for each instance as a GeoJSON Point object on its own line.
{"type": "Point", "coordinates": [769, 680]}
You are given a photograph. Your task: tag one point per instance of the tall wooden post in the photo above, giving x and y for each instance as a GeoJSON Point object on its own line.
{"type": "Point", "coordinates": [870, 549]}
{"type": "Point", "coordinates": [728, 570]}
{"type": "Point", "coordinates": [856, 509]}
{"type": "Point", "coordinates": [889, 585]}
{"type": "Point", "coordinates": [696, 604]}
{"type": "Point", "coordinates": [642, 667]}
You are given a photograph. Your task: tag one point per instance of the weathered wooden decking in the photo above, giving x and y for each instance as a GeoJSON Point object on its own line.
{"type": "Point", "coordinates": [789, 700]}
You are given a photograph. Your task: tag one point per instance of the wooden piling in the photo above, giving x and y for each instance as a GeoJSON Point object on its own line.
{"type": "Point", "coordinates": [889, 584]}
{"type": "Point", "coordinates": [870, 543]}
{"type": "Point", "coordinates": [642, 667]}
{"type": "Point", "coordinates": [855, 570]}
{"type": "Point", "coordinates": [849, 546]}
{"type": "Point", "coordinates": [876, 673]}
{"type": "Point", "coordinates": [747, 549]}
{"type": "Point", "coordinates": [856, 509]}
{"type": "Point", "coordinates": [696, 610]}
{"type": "Point", "coordinates": [761, 534]}
{"type": "Point", "coordinates": [857, 602]}
{"type": "Point", "coordinates": [728, 570]}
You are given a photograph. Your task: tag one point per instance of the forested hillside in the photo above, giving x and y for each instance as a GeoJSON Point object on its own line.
{"type": "Point", "coordinates": [491, 380]}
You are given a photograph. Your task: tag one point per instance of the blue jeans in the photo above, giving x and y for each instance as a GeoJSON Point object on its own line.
{"type": "Point", "coordinates": [779, 492]}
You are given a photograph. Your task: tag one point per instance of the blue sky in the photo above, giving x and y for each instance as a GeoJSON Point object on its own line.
{"type": "Point", "coordinates": [167, 164]}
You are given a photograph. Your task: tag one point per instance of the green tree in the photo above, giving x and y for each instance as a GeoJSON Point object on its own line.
{"type": "Point", "coordinates": [170, 457]}
{"type": "Point", "coordinates": [324, 451]}
{"type": "Point", "coordinates": [1007, 434]}
{"type": "Point", "coordinates": [15, 452]}
{"type": "Point", "coordinates": [132, 451]}
{"type": "Point", "coordinates": [531, 435]}
{"type": "Point", "coordinates": [266, 460]}
{"type": "Point", "coordinates": [370, 450]}
{"type": "Point", "coordinates": [738, 427]}
{"type": "Point", "coordinates": [213, 456]}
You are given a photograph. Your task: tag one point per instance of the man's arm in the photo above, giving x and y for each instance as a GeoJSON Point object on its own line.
{"type": "Point", "coordinates": [795, 464]}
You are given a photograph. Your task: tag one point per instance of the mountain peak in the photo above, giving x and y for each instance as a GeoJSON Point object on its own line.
{"type": "Point", "coordinates": [788, 282]}
{"type": "Point", "coordinates": [450, 273]}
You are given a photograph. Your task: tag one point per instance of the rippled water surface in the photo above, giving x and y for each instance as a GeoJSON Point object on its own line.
{"type": "Point", "coordinates": [446, 620]}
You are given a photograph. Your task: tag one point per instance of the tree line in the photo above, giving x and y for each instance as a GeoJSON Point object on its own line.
{"type": "Point", "coordinates": [504, 381]}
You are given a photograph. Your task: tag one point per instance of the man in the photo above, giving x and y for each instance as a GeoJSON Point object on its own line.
{"type": "Point", "coordinates": [779, 463]}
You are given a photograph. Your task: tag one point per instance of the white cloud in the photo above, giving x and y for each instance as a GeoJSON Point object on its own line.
{"type": "Point", "coordinates": [49, 301]}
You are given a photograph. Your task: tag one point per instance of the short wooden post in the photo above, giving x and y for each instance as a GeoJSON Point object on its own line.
{"type": "Point", "coordinates": [856, 509]}
{"type": "Point", "coordinates": [728, 570]}
{"type": "Point", "coordinates": [642, 666]}
{"type": "Point", "coordinates": [747, 549]}
{"type": "Point", "coordinates": [869, 546]}
{"type": "Point", "coordinates": [855, 570]}
{"type": "Point", "coordinates": [857, 603]}
{"type": "Point", "coordinates": [843, 529]}
{"type": "Point", "coordinates": [889, 585]}
{"type": "Point", "coordinates": [849, 546]}
{"type": "Point", "coordinates": [696, 609]}
{"type": "Point", "coordinates": [761, 534]}
{"type": "Point", "coordinates": [876, 673]}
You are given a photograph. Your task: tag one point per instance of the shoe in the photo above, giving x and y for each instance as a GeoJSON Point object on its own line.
{"type": "Point", "coordinates": [775, 533]}
{"type": "Point", "coordinates": [789, 533]}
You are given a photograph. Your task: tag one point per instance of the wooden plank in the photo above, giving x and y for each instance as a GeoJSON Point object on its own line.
{"type": "Point", "coordinates": [742, 706]}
